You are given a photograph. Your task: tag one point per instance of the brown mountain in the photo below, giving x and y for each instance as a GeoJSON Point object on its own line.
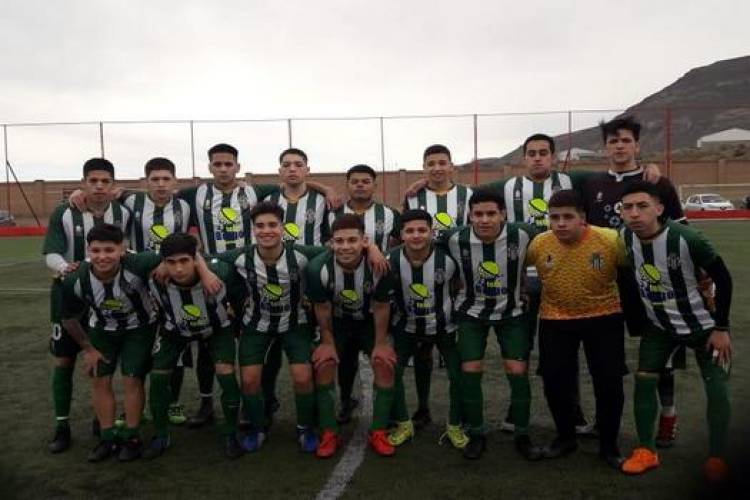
{"type": "Point", "coordinates": [705, 100]}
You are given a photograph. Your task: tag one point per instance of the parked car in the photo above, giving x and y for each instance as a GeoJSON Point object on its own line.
{"type": "Point", "coordinates": [707, 201]}
{"type": "Point", "coordinates": [6, 219]}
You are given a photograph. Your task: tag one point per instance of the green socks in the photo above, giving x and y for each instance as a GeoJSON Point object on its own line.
{"type": "Point", "coordinates": [175, 382]}
{"type": "Point", "coordinates": [382, 407]}
{"type": "Point", "coordinates": [159, 399]}
{"type": "Point", "coordinates": [326, 394]}
{"type": "Point", "coordinates": [230, 400]}
{"type": "Point", "coordinates": [62, 393]}
{"type": "Point", "coordinates": [399, 411]}
{"type": "Point", "coordinates": [423, 379]}
{"type": "Point", "coordinates": [717, 413]}
{"type": "Point", "coordinates": [520, 402]}
{"type": "Point", "coordinates": [305, 404]}
{"type": "Point", "coordinates": [473, 403]}
{"type": "Point", "coordinates": [645, 406]}
{"type": "Point", "coordinates": [254, 408]}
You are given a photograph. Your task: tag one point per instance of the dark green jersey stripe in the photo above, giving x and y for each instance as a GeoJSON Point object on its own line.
{"type": "Point", "coordinates": [439, 266]}
{"type": "Point", "coordinates": [79, 240]}
{"type": "Point", "coordinates": [208, 220]}
{"type": "Point", "coordinates": [518, 199]}
{"type": "Point", "coordinates": [312, 200]}
{"type": "Point", "coordinates": [138, 209]}
{"type": "Point", "coordinates": [379, 222]}
{"type": "Point", "coordinates": [512, 242]}
{"type": "Point", "coordinates": [682, 296]}
{"type": "Point", "coordinates": [464, 244]}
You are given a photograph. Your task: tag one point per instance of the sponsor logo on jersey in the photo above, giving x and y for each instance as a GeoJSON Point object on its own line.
{"type": "Point", "coordinates": [159, 232]}
{"type": "Point", "coordinates": [539, 213]}
{"type": "Point", "coordinates": [291, 231]}
{"type": "Point", "coordinates": [443, 221]}
{"type": "Point", "coordinates": [350, 300]}
{"type": "Point", "coordinates": [489, 283]}
{"type": "Point", "coordinates": [193, 316]}
{"type": "Point", "coordinates": [115, 305]}
{"type": "Point", "coordinates": [272, 291]}
{"type": "Point", "coordinates": [228, 216]}
{"type": "Point", "coordinates": [420, 303]}
{"type": "Point", "coordinates": [651, 285]}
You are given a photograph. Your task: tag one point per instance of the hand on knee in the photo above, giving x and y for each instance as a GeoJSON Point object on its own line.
{"type": "Point", "coordinates": [224, 369]}
{"type": "Point", "coordinates": [472, 366]}
{"type": "Point", "coordinates": [515, 367]}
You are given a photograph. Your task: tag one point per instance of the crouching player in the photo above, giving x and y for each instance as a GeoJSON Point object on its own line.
{"type": "Point", "coordinates": [190, 312]}
{"type": "Point", "coordinates": [340, 284]}
{"type": "Point", "coordinates": [419, 283]}
{"type": "Point", "coordinates": [121, 324]}
{"type": "Point", "coordinates": [666, 260]}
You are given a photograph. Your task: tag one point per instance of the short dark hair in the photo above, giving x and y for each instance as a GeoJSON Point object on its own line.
{"type": "Point", "coordinates": [539, 137]}
{"type": "Point", "coordinates": [223, 148]}
{"type": "Point", "coordinates": [98, 164]}
{"type": "Point", "coordinates": [105, 232]}
{"type": "Point", "coordinates": [416, 214]}
{"type": "Point", "coordinates": [177, 243]}
{"type": "Point", "coordinates": [293, 151]}
{"type": "Point", "coordinates": [566, 198]}
{"type": "Point", "coordinates": [627, 122]}
{"type": "Point", "coordinates": [436, 149]}
{"type": "Point", "coordinates": [642, 187]}
{"type": "Point", "coordinates": [361, 169]}
{"type": "Point", "coordinates": [482, 195]}
{"type": "Point", "coordinates": [267, 207]}
{"type": "Point", "coordinates": [348, 221]}
{"type": "Point", "coordinates": [159, 163]}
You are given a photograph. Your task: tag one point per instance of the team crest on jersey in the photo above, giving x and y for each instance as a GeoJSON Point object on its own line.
{"type": "Point", "coordinates": [489, 282]}
{"type": "Point", "coordinates": [78, 230]}
{"type": "Point", "coordinates": [618, 207]}
{"type": "Point", "coordinates": [291, 231]}
{"type": "Point", "coordinates": [193, 316]}
{"type": "Point", "coordinates": [651, 286]}
{"type": "Point", "coordinates": [443, 221]}
{"type": "Point", "coordinates": [420, 301]}
{"type": "Point", "coordinates": [549, 262]}
{"type": "Point", "coordinates": [513, 251]}
{"type": "Point", "coordinates": [597, 261]}
{"type": "Point", "coordinates": [207, 204]}
{"type": "Point", "coordinates": [673, 261]}
{"type": "Point", "coordinates": [439, 276]}
{"type": "Point", "coordinates": [367, 287]}
{"type": "Point", "coordinates": [293, 276]}
{"type": "Point", "coordinates": [310, 216]}
{"type": "Point", "coordinates": [599, 197]}
{"type": "Point", "coordinates": [380, 227]}
{"type": "Point", "coordinates": [517, 194]}
{"type": "Point", "coordinates": [244, 204]}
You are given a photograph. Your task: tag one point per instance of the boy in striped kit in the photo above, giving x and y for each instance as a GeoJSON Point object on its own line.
{"type": "Point", "coordinates": [340, 284]}
{"type": "Point", "coordinates": [491, 254]}
{"type": "Point", "coordinates": [65, 249]}
{"type": "Point", "coordinates": [190, 312]}
{"type": "Point", "coordinates": [666, 260]}
{"type": "Point", "coordinates": [420, 284]}
{"type": "Point", "coordinates": [448, 203]}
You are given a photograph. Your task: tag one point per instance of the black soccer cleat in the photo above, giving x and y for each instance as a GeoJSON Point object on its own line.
{"type": "Point", "coordinates": [526, 448]}
{"type": "Point", "coordinates": [612, 457]}
{"type": "Point", "coordinates": [102, 451]}
{"type": "Point", "coordinates": [475, 447]}
{"type": "Point", "coordinates": [347, 408]}
{"type": "Point", "coordinates": [560, 447]}
{"type": "Point", "coordinates": [421, 418]}
{"type": "Point", "coordinates": [130, 450]}
{"type": "Point", "coordinates": [232, 447]}
{"type": "Point", "coordinates": [156, 448]}
{"type": "Point", "coordinates": [204, 415]}
{"type": "Point", "coordinates": [61, 441]}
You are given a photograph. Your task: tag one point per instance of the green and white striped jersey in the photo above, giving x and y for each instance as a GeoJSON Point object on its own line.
{"type": "Point", "coordinates": [305, 220]}
{"type": "Point", "coordinates": [275, 292]}
{"type": "Point", "coordinates": [667, 270]}
{"type": "Point", "coordinates": [381, 223]}
{"type": "Point", "coordinates": [116, 306]}
{"type": "Point", "coordinates": [348, 292]}
{"type": "Point", "coordinates": [449, 210]}
{"type": "Point", "coordinates": [223, 219]}
{"type": "Point", "coordinates": [421, 293]}
{"type": "Point", "coordinates": [150, 224]}
{"type": "Point", "coordinates": [187, 311]}
{"type": "Point", "coordinates": [526, 200]}
{"type": "Point", "coordinates": [68, 227]}
{"type": "Point", "coordinates": [491, 273]}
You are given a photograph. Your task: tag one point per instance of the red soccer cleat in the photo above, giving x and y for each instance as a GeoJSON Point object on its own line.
{"type": "Point", "coordinates": [667, 432]}
{"type": "Point", "coordinates": [329, 443]}
{"type": "Point", "coordinates": [379, 441]}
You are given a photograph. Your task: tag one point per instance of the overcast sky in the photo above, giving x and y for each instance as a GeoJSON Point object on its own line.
{"type": "Point", "coordinates": [181, 60]}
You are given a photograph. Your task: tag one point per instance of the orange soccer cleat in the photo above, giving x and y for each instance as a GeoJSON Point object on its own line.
{"type": "Point", "coordinates": [640, 461]}
{"type": "Point", "coordinates": [379, 441]}
{"type": "Point", "coordinates": [716, 470]}
{"type": "Point", "coordinates": [329, 444]}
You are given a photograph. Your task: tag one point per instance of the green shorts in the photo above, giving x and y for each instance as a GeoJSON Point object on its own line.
{"type": "Point", "coordinates": [131, 347]}
{"type": "Point", "coordinates": [61, 344]}
{"type": "Point", "coordinates": [169, 346]}
{"type": "Point", "coordinates": [407, 345]}
{"type": "Point", "coordinates": [657, 346]}
{"type": "Point", "coordinates": [297, 344]}
{"type": "Point", "coordinates": [513, 336]}
{"type": "Point", "coordinates": [351, 336]}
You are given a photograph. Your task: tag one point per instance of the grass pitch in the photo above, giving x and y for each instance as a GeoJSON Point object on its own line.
{"type": "Point", "coordinates": [195, 468]}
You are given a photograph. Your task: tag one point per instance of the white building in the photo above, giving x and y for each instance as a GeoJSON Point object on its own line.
{"type": "Point", "coordinates": [728, 137]}
{"type": "Point", "coordinates": [577, 154]}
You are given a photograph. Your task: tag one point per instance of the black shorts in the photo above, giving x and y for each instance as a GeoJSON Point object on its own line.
{"type": "Point", "coordinates": [603, 339]}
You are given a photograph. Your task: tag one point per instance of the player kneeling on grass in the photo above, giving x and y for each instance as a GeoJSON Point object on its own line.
{"type": "Point", "coordinates": [121, 321]}
{"type": "Point", "coordinates": [340, 283]}
{"type": "Point", "coordinates": [190, 312]}
{"type": "Point", "coordinates": [578, 267]}
{"type": "Point", "coordinates": [420, 284]}
{"type": "Point", "coordinates": [491, 254]}
{"type": "Point", "coordinates": [666, 259]}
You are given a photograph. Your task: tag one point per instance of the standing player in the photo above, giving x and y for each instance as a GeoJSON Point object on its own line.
{"type": "Point", "coordinates": [602, 194]}
{"type": "Point", "coordinates": [666, 260]}
{"type": "Point", "coordinates": [190, 312]}
{"type": "Point", "coordinates": [421, 283]}
{"type": "Point", "coordinates": [65, 248]}
{"type": "Point", "coordinates": [491, 255]}
{"type": "Point", "coordinates": [578, 267]}
{"type": "Point", "coordinates": [275, 280]}
{"type": "Point", "coordinates": [157, 213]}
{"type": "Point", "coordinates": [448, 203]}
{"type": "Point", "coordinates": [340, 284]}
{"type": "Point", "coordinates": [121, 324]}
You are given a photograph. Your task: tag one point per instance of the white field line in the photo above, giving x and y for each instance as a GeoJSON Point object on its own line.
{"type": "Point", "coordinates": [354, 453]}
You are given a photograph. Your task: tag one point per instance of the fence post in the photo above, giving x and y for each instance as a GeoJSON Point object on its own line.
{"type": "Point", "coordinates": [192, 149]}
{"type": "Point", "coordinates": [7, 172]}
{"type": "Point", "coordinates": [476, 151]}
{"type": "Point", "coordinates": [382, 155]}
{"type": "Point", "coordinates": [101, 138]}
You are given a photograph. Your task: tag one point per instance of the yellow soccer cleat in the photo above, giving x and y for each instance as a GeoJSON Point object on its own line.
{"type": "Point", "coordinates": [456, 435]}
{"type": "Point", "coordinates": [403, 432]}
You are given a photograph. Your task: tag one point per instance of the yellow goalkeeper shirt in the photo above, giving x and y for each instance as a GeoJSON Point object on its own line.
{"type": "Point", "coordinates": [579, 279]}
